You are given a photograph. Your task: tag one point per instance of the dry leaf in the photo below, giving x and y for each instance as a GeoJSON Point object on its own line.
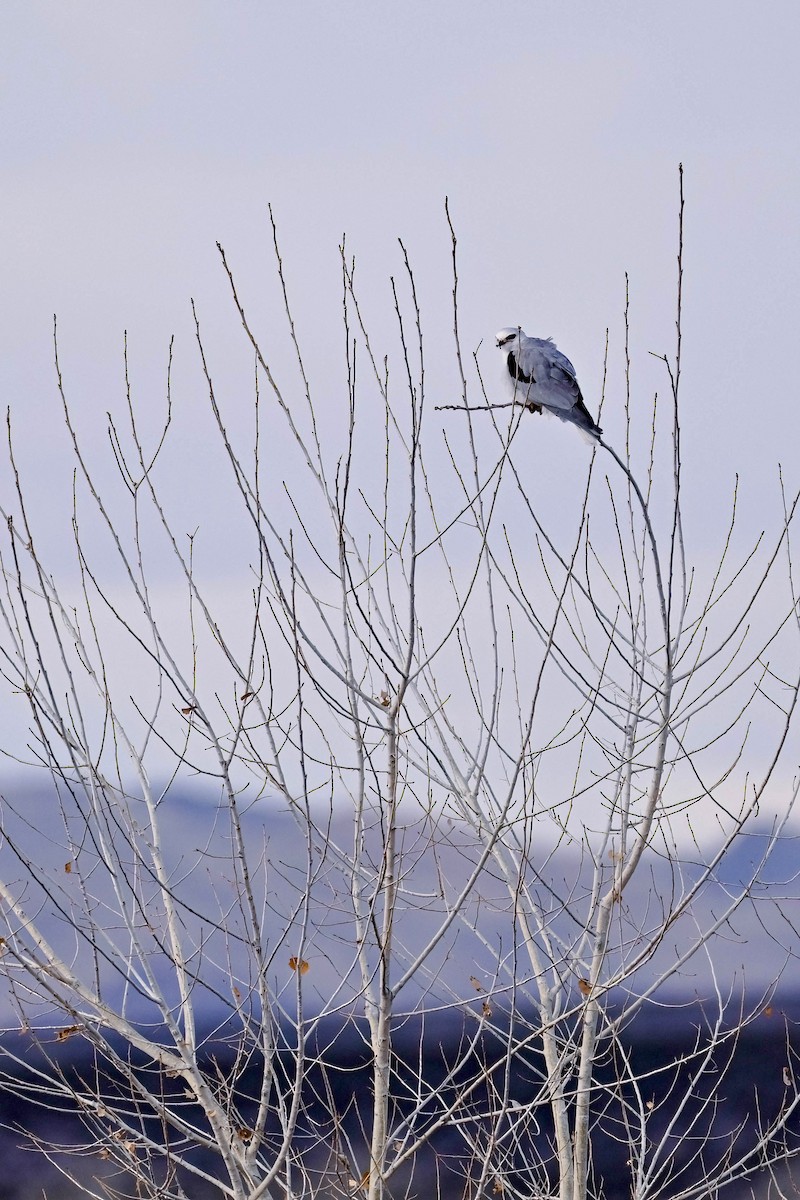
{"type": "Point", "coordinates": [787, 1077]}
{"type": "Point", "coordinates": [244, 1134]}
{"type": "Point", "coordinates": [237, 995]}
{"type": "Point", "coordinates": [497, 1186]}
{"type": "Point", "coordinates": [68, 868]}
{"type": "Point", "coordinates": [584, 987]}
{"type": "Point", "coordinates": [476, 983]}
{"type": "Point", "coordinates": [487, 1009]}
{"type": "Point", "coordinates": [190, 708]}
{"type": "Point", "coordinates": [246, 696]}
{"type": "Point", "coordinates": [768, 1011]}
{"type": "Point", "coordinates": [298, 964]}
{"type": "Point", "coordinates": [63, 1034]}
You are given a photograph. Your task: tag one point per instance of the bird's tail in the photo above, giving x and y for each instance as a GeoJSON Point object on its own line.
{"type": "Point", "coordinates": [591, 434]}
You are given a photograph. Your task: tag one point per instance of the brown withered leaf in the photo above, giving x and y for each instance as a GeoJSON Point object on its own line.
{"type": "Point", "coordinates": [63, 1034]}
{"type": "Point", "coordinates": [476, 983]}
{"type": "Point", "coordinates": [298, 964]}
{"type": "Point", "coordinates": [68, 868]}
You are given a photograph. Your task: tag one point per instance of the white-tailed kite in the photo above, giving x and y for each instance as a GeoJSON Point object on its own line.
{"type": "Point", "coordinates": [543, 378]}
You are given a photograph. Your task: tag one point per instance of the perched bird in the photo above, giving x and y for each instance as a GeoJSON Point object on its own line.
{"type": "Point", "coordinates": [543, 379]}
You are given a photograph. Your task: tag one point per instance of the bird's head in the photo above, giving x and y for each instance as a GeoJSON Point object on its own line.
{"type": "Point", "coordinates": [508, 339]}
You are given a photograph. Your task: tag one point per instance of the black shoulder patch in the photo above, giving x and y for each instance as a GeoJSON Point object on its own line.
{"type": "Point", "coordinates": [516, 372]}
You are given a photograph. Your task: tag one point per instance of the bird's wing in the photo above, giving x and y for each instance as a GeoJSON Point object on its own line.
{"type": "Point", "coordinates": [553, 372]}
{"type": "Point", "coordinates": [564, 391]}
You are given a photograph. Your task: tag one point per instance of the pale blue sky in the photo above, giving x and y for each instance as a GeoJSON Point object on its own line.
{"type": "Point", "coordinates": [133, 137]}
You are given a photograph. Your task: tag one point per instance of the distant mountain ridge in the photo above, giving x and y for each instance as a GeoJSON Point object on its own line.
{"type": "Point", "coordinates": [750, 950]}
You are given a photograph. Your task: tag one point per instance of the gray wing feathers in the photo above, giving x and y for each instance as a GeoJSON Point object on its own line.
{"type": "Point", "coordinates": [558, 387]}
{"type": "Point", "coordinates": [553, 372]}
{"type": "Point", "coordinates": [564, 391]}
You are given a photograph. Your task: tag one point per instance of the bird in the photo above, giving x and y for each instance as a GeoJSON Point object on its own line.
{"type": "Point", "coordinates": [544, 380]}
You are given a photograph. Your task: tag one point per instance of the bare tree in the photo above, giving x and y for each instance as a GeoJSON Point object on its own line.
{"type": "Point", "coordinates": [458, 760]}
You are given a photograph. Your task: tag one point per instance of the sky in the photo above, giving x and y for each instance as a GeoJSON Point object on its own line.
{"type": "Point", "coordinates": [134, 137]}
